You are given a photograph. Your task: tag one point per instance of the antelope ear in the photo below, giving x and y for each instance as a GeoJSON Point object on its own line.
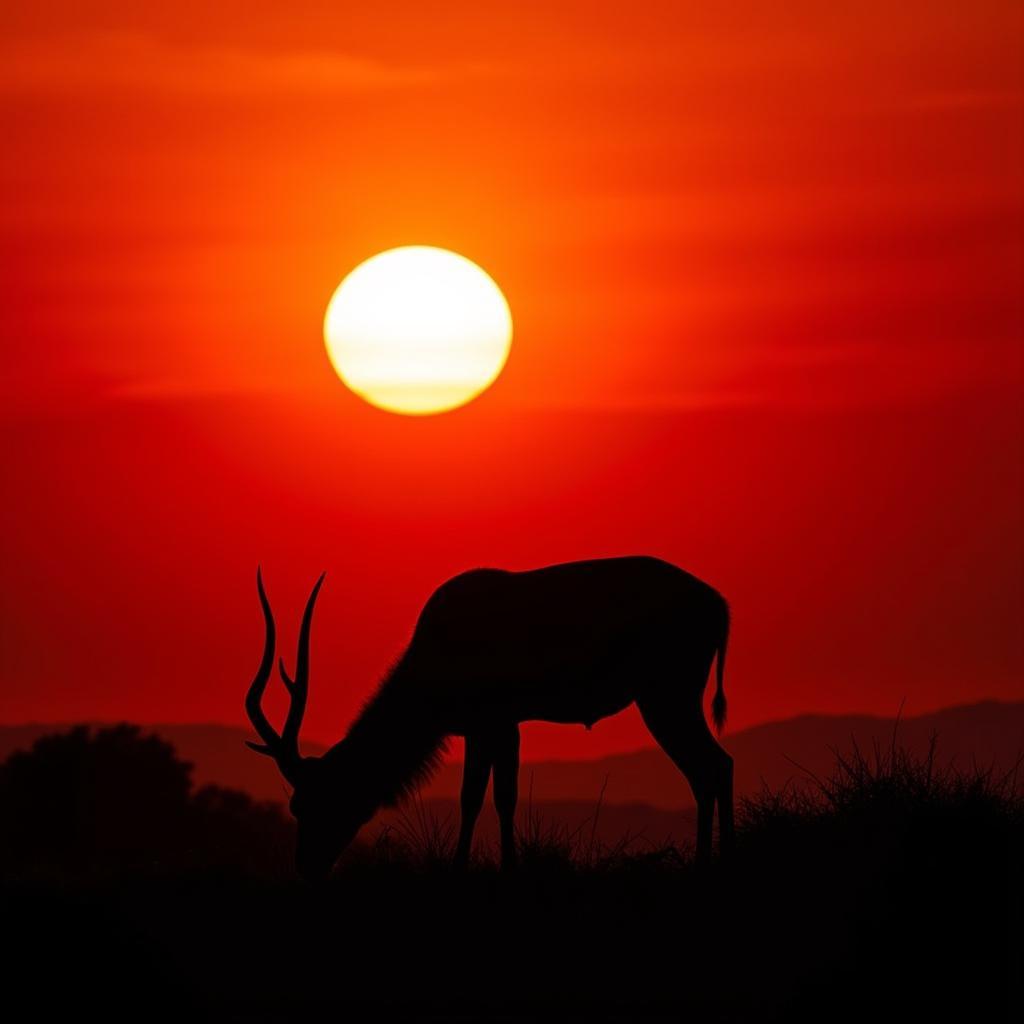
{"type": "Point", "coordinates": [260, 748]}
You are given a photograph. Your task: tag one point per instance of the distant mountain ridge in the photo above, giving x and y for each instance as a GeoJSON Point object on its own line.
{"type": "Point", "coordinates": [987, 732]}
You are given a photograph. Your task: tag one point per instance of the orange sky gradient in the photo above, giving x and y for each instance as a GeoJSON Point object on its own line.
{"type": "Point", "coordinates": [766, 268]}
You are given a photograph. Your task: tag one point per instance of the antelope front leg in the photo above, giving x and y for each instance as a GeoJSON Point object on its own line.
{"type": "Point", "coordinates": [475, 773]}
{"type": "Point", "coordinates": [506, 791]}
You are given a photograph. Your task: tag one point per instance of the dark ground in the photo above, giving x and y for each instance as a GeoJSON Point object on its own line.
{"type": "Point", "coordinates": [890, 891]}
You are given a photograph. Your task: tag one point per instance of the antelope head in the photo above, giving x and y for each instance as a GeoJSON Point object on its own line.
{"type": "Point", "coordinates": [328, 813]}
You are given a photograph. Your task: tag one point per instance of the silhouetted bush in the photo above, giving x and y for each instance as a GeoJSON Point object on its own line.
{"type": "Point", "coordinates": [891, 807]}
{"type": "Point", "coordinates": [229, 830]}
{"type": "Point", "coordinates": [114, 800]}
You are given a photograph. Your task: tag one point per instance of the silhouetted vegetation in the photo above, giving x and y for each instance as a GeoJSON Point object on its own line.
{"type": "Point", "coordinates": [887, 890]}
{"type": "Point", "coordinates": [896, 803]}
{"type": "Point", "coordinates": [113, 800]}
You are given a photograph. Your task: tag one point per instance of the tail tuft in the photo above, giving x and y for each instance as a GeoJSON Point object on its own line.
{"type": "Point", "coordinates": [719, 706]}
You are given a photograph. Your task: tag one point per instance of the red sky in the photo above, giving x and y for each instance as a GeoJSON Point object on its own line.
{"type": "Point", "coordinates": [767, 275]}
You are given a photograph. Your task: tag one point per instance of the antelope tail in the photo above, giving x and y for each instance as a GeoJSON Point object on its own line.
{"type": "Point", "coordinates": [718, 704]}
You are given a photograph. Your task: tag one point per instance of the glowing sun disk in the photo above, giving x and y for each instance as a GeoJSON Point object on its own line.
{"type": "Point", "coordinates": [418, 330]}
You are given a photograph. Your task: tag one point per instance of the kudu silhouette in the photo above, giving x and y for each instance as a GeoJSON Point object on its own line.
{"type": "Point", "coordinates": [570, 643]}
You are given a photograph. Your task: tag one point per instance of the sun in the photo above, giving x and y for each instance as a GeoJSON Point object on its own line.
{"type": "Point", "coordinates": [418, 330]}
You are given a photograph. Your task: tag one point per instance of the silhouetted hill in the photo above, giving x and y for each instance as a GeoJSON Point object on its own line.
{"type": "Point", "coordinates": [986, 732]}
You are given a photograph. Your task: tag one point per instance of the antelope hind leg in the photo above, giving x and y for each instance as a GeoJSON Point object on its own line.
{"type": "Point", "coordinates": [506, 790]}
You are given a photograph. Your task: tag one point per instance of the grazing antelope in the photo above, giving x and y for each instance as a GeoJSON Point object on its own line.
{"type": "Point", "coordinates": [568, 643]}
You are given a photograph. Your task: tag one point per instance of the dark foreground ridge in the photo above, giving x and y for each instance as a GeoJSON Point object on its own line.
{"type": "Point", "coordinates": [888, 890]}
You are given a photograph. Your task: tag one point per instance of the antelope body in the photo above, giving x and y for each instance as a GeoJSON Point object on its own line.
{"type": "Point", "coordinates": [570, 643]}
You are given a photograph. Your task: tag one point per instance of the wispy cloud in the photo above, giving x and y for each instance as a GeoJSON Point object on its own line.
{"type": "Point", "coordinates": [142, 62]}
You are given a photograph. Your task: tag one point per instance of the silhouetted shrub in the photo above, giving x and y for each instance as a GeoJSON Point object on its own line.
{"type": "Point", "coordinates": [115, 800]}
{"type": "Point", "coordinates": [229, 830]}
{"type": "Point", "coordinates": [888, 805]}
